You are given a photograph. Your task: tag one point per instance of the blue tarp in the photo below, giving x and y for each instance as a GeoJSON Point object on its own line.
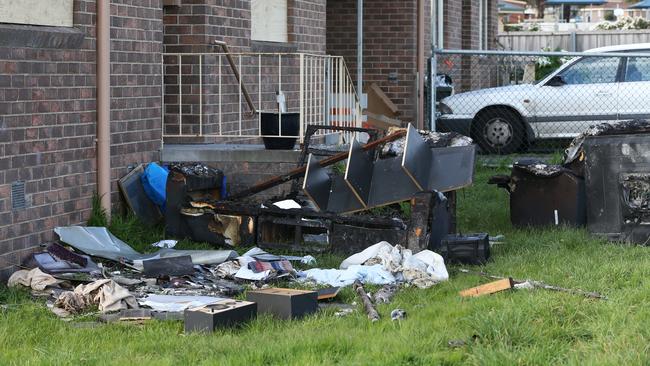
{"type": "Point", "coordinates": [645, 4]}
{"type": "Point", "coordinates": [575, 2]}
{"type": "Point", "coordinates": [154, 182]}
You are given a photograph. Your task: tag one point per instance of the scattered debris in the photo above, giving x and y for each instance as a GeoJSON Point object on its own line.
{"type": "Point", "coordinates": [398, 314]}
{"type": "Point", "coordinates": [385, 294]}
{"type": "Point", "coordinates": [35, 278]}
{"type": "Point", "coordinates": [287, 205]}
{"type": "Point", "coordinates": [344, 312]}
{"type": "Point", "coordinates": [165, 244]}
{"type": "Point", "coordinates": [177, 303]}
{"type": "Point", "coordinates": [99, 242]}
{"type": "Point", "coordinates": [488, 288]}
{"type": "Point", "coordinates": [284, 303]}
{"type": "Point", "coordinates": [106, 294]}
{"type": "Point", "coordinates": [373, 315]}
{"type": "Point", "coordinates": [225, 313]}
{"type": "Point", "coordinates": [128, 315]}
{"type": "Point", "coordinates": [175, 266]}
{"type": "Point", "coordinates": [530, 284]}
{"type": "Point", "coordinates": [456, 343]}
{"type": "Point", "coordinates": [328, 293]}
{"type": "Point", "coordinates": [466, 248]}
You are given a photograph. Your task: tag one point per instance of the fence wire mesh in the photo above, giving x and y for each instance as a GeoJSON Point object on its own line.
{"type": "Point", "coordinates": [517, 102]}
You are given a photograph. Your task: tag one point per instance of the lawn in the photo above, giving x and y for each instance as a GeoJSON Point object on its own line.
{"type": "Point", "coordinates": [518, 327]}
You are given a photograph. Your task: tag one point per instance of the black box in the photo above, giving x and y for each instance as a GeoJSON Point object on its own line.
{"type": "Point", "coordinates": [284, 303]}
{"type": "Point", "coordinates": [466, 249]}
{"type": "Point", "coordinates": [225, 313]}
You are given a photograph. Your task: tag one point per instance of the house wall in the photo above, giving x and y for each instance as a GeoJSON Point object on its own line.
{"type": "Point", "coordinates": [48, 118]}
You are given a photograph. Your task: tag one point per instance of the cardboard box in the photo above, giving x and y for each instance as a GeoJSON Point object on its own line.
{"type": "Point", "coordinates": [284, 303]}
{"type": "Point", "coordinates": [225, 313]}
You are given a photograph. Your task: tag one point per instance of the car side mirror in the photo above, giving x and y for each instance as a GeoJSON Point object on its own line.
{"type": "Point", "coordinates": [556, 80]}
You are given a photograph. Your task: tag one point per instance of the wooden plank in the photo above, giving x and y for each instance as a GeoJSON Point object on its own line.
{"type": "Point", "coordinates": [488, 288]}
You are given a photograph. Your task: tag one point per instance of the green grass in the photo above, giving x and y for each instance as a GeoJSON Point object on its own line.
{"type": "Point", "coordinates": [522, 327]}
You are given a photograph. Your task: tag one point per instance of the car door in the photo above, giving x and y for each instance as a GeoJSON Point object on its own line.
{"type": "Point", "coordinates": [585, 96]}
{"type": "Point", "coordinates": [633, 97]}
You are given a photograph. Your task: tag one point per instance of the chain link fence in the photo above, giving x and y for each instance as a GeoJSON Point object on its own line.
{"type": "Point", "coordinates": [511, 102]}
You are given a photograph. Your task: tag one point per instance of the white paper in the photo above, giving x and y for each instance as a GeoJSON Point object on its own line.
{"type": "Point", "coordinates": [177, 303]}
{"type": "Point", "coordinates": [165, 244]}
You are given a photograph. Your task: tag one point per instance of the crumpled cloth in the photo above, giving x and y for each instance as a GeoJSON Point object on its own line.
{"type": "Point", "coordinates": [423, 269]}
{"type": "Point", "coordinates": [375, 275]}
{"type": "Point", "coordinates": [35, 278]}
{"type": "Point", "coordinates": [106, 294]}
{"type": "Point", "coordinates": [226, 269]}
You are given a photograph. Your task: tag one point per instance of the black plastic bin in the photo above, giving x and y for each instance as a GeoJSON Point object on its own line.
{"type": "Point", "coordinates": [290, 127]}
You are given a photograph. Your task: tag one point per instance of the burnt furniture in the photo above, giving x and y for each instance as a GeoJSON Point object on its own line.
{"type": "Point", "coordinates": [189, 187]}
{"type": "Point", "coordinates": [542, 195]}
{"type": "Point", "coordinates": [617, 176]}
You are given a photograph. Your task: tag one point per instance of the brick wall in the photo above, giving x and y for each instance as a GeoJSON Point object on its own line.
{"type": "Point", "coordinates": [307, 25]}
{"type": "Point", "coordinates": [453, 27]}
{"type": "Point", "coordinates": [47, 122]}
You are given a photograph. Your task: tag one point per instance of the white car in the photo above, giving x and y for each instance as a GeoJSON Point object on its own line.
{"type": "Point", "coordinates": [582, 92]}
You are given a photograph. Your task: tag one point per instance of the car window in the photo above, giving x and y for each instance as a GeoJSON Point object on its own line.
{"type": "Point", "coordinates": [592, 70]}
{"type": "Point", "coordinates": [638, 69]}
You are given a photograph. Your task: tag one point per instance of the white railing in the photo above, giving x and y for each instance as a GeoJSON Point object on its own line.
{"type": "Point", "coordinates": [227, 96]}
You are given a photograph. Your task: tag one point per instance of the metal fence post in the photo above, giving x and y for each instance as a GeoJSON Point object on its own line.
{"type": "Point", "coordinates": [573, 41]}
{"type": "Point", "coordinates": [434, 66]}
{"type": "Point", "coordinates": [302, 96]}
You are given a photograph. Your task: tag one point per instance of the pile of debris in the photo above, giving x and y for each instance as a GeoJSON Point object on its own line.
{"type": "Point", "coordinates": [90, 270]}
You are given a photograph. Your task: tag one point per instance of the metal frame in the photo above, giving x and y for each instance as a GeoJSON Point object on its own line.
{"type": "Point", "coordinates": [326, 93]}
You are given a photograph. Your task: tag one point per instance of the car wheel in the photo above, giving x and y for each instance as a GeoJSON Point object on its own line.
{"type": "Point", "coordinates": [498, 131]}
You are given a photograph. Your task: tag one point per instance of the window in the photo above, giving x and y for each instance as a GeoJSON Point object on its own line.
{"type": "Point", "coordinates": [269, 20]}
{"type": "Point", "coordinates": [638, 69]}
{"type": "Point", "coordinates": [56, 13]}
{"type": "Point", "coordinates": [592, 70]}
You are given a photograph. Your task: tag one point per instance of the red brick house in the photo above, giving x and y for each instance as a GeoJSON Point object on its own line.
{"type": "Point", "coordinates": [48, 84]}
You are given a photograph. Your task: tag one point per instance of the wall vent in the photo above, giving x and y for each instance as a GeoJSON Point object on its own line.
{"type": "Point", "coordinates": [18, 195]}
